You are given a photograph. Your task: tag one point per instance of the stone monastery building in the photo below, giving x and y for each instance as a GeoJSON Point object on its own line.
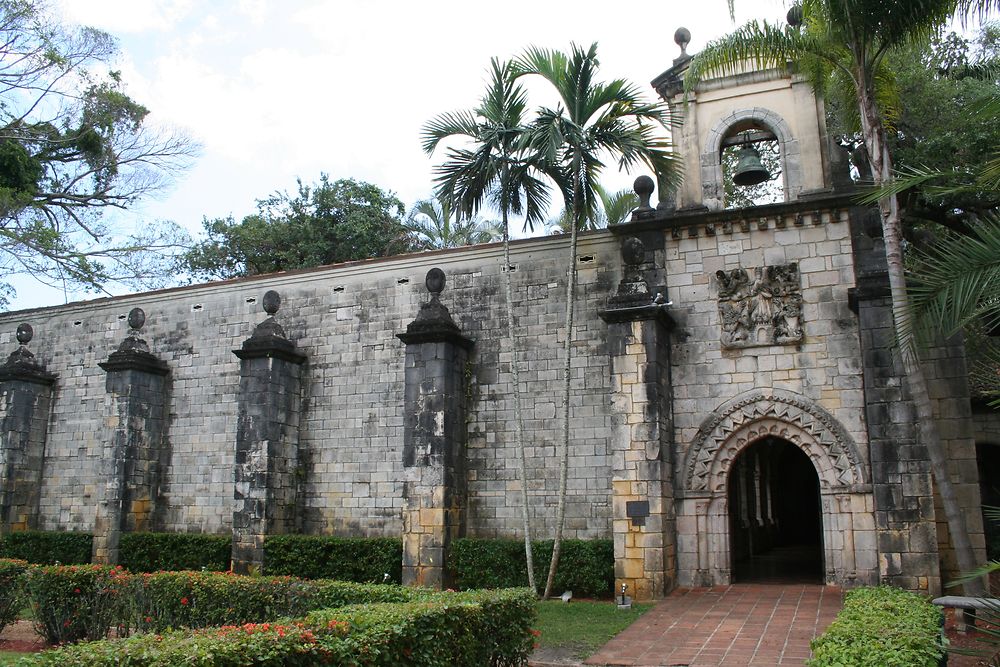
{"type": "Point", "coordinates": [737, 411]}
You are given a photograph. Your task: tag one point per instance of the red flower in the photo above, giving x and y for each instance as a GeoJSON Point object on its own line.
{"type": "Point", "coordinates": [184, 601]}
{"type": "Point", "coordinates": [76, 590]}
{"type": "Point", "coordinates": [149, 619]}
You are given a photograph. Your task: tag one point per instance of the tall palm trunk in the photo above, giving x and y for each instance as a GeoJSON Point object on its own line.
{"type": "Point", "coordinates": [881, 167]}
{"type": "Point", "coordinates": [516, 380]}
{"type": "Point", "coordinates": [567, 374]}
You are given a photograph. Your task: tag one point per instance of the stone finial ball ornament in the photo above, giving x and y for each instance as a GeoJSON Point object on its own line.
{"type": "Point", "coordinates": [682, 37]}
{"type": "Point", "coordinates": [633, 251]}
{"type": "Point", "coordinates": [435, 281]}
{"type": "Point", "coordinates": [24, 333]}
{"type": "Point", "coordinates": [272, 302]}
{"type": "Point", "coordinates": [794, 16]}
{"type": "Point", "coordinates": [644, 186]}
{"type": "Point", "coordinates": [136, 318]}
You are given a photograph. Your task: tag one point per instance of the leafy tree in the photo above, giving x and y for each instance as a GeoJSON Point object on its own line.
{"type": "Point", "coordinates": [591, 121]}
{"type": "Point", "coordinates": [495, 168]}
{"type": "Point", "coordinates": [960, 76]}
{"type": "Point", "coordinates": [614, 210]}
{"type": "Point", "coordinates": [73, 146]}
{"type": "Point", "coordinates": [843, 45]}
{"type": "Point", "coordinates": [435, 225]}
{"type": "Point", "coordinates": [326, 223]}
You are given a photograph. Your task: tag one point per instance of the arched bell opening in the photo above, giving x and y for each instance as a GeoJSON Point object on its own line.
{"type": "Point", "coordinates": [751, 160]}
{"type": "Point", "coordinates": [775, 515]}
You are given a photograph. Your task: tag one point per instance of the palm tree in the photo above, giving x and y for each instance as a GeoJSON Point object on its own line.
{"type": "Point", "coordinates": [615, 209]}
{"type": "Point", "coordinates": [842, 45]}
{"type": "Point", "coordinates": [591, 120]}
{"type": "Point", "coordinates": [435, 225]}
{"type": "Point", "coordinates": [495, 170]}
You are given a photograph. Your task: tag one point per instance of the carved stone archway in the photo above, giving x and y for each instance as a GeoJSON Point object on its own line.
{"type": "Point", "coordinates": [704, 555]}
{"type": "Point", "coordinates": [711, 159]}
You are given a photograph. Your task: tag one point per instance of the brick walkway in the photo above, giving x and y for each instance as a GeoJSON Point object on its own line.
{"type": "Point", "coordinates": [738, 625]}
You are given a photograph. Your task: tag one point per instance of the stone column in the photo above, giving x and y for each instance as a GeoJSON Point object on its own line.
{"type": "Point", "coordinates": [433, 439]}
{"type": "Point", "coordinates": [267, 439]}
{"type": "Point", "coordinates": [906, 535]}
{"type": "Point", "coordinates": [642, 468]}
{"type": "Point", "coordinates": [136, 383]}
{"type": "Point", "coordinates": [25, 398]}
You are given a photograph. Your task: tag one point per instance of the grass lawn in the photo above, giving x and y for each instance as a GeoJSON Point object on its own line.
{"type": "Point", "coordinates": [8, 657]}
{"type": "Point", "coordinates": [578, 629]}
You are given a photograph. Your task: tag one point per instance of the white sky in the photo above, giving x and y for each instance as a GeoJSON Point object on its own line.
{"type": "Point", "coordinates": [275, 91]}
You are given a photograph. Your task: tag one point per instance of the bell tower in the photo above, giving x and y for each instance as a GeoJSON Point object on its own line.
{"type": "Point", "coordinates": [744, 109]}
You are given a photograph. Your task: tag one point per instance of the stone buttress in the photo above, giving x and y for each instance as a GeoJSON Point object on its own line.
{"type": "Point", "coordinates": [267, 439]}
{"type": "Point", "coordinates": [136, 424]}
{"type": "Point", "coordinates": [641, 467]}
{"type": "Point", "coordinates": [25, 399]}
{"type": "Point", "coordinates": [434, 464]}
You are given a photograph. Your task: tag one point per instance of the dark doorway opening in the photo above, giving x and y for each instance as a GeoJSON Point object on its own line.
{"type": "Point", "coordinates": [988, 457]}
{"type": "Point", "coordinates": [775, 520]}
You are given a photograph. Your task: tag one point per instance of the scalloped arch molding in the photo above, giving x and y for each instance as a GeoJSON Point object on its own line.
{"type": "Point", "coordinates": [759, 414]}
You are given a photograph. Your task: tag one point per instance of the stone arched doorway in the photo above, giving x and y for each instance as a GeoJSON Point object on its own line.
{"type": "Point", "coordinates": [704, 533]}
{"type": "Point", "coordinates": [775, 515]}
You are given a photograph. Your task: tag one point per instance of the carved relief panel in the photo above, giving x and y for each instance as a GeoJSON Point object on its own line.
{"type": "Point", "coordinates": [760, 307]}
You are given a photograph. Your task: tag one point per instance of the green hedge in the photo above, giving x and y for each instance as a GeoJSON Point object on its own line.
{"type": "Point", "coordinates": [359, 559]}
{"type": "Point", "coordinates": [586, 567]}
{"type": "Point", "coordinates": [881, 627]}
{"type": "Point", "coordinates": [444, 630]}
{"type": "Point", "coordinates": [156, 552]}
{"type": "Point", "coordinates": [47, 547]}
{"type": "Point", "coordinates": [10, 589]}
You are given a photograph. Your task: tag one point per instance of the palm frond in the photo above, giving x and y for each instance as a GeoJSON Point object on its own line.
{"type": "Point", "coordinates": [455, 123]}
{"type": "Point", "coordinates": [958, 282]}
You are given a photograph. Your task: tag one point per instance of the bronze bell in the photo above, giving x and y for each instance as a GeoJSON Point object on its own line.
{"type": "Point", "coordinates": [749, 170]}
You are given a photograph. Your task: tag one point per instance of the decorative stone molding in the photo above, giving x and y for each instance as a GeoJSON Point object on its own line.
{"type": "Point", "coordinates": [763, 310]}
{"type": "Point", "coordinates": [763, 413]}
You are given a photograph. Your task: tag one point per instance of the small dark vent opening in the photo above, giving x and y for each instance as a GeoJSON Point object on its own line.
{"type": "Point", "coordinates": [403, 281]}
{"type": "Point", "coordinates": [338, 288]}
{"type": "Point", "coordinates": [122, 318]}
{"type": "Point", "coordinates": [510, 267]}
{"type": "Point", "coordinates": [586, 259]}
{"type": "Point", "coordinates": [77, 323]}
{"type": "Point", "coordinates": [251, 299]}
{"type": "Point", "coordinates": [196, 307]}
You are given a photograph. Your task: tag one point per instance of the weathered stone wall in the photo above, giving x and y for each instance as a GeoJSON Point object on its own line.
{"type": "Point", "coordinates": [759, 337]}
{"type": "Point", "coordinates": [986, 425]}
{"type": "Point", "coordinates": [351, 427]}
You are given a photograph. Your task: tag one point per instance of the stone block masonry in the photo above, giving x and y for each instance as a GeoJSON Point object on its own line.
{"type": "Point", "coordinates": [331, 424]}
{"type": "Point", "coordinates": [267, 440]}
{"type": "Point", "coordinates": [25, 398]}
{"type": "Point", "coordinates": [135, 442]}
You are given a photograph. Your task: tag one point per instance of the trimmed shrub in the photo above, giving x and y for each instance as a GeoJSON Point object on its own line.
{"type": "Point", "coordinates": [586, 567]}
{"type": "Point", "coordinates": [359, 559]}
{"type": "Point", "coordinates": [156, 552]}
{"type": "Point", "coordinates": [44, 547]}
{"type": "Point", "coordinates": [10, 589]}
{"type": "Point", "coordinates": [170, 600]}
{"type": "Point", "coordinates": [456, 630]}
{"type": "Point", "coordinates": [71, 603]}
{"type": "Point", "coordinates": [881, 627]}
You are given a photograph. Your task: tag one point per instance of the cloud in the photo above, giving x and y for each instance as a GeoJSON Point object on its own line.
{"type": "Point", "coordinates": [128, 16]}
